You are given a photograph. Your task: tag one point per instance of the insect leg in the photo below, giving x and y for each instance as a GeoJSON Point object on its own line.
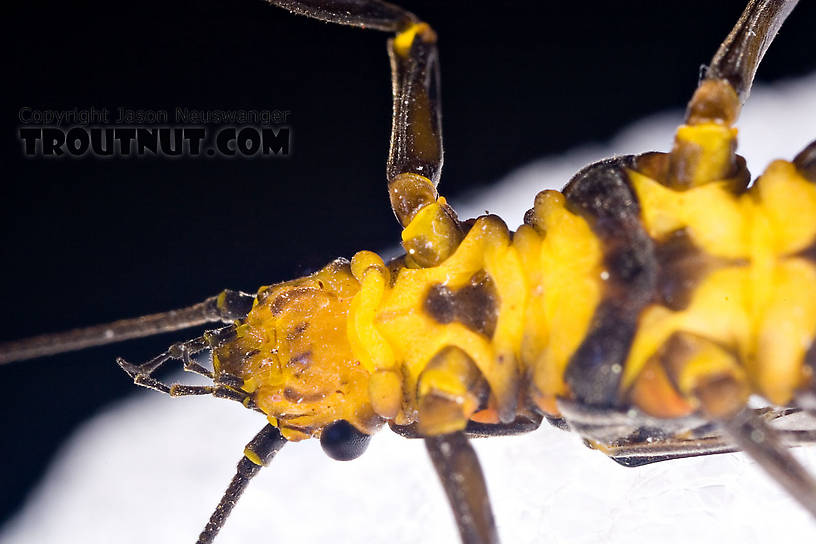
{"type": "Point", "coordinates": [739, 55]}
{"type": "Point", "coordinates": [794, 427]}
{"type": "Point", "coordinates": [705, 147]}
{"type": "Point", "coordinates": [458, 468]}
{"type": "Point", "coordinates": [142, 374]}
{"type": "Point", "coordinates": [805, 162]}
{"type": "Point", "coordinates": [635, 454]}
{"type": "Point", "coordinates": [258, 453]}
{"type": "Point", "coordinates": [764, 445]}
{"type": "Point", "coordinates": [721, 394]}
{"type": "Point", "coordinates": [361, 13]}
{"type": "Point", "coordinates": [226, 306]}
{"type": "Point", "coordinates": [432, 231]}
{"type": "Point", "coordinates": [521, 425]}
{"type": "Point", "coordinates": [416, 137]}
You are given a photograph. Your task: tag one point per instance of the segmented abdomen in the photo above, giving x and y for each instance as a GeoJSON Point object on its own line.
{"type": "Point", "coordinates": [711, 281]}
{"type": "Point", "coordinates": [622, 291]}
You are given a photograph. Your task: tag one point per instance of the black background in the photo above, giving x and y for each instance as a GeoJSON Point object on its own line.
{"type": "Point", "coordinates": [91, 240]}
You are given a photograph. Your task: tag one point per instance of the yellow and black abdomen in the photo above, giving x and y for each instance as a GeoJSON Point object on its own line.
{"type": "Point", "coordinates": [751, 280]}
{"type": "Point", "coordinates": [708, 283]}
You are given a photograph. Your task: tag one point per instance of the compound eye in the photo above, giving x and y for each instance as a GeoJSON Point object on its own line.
{"type": "Point", "coordinates": [342, 442]}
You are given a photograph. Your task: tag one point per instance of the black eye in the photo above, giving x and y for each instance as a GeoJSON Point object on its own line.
{"type": "Point", "coordinates": [342, 442]}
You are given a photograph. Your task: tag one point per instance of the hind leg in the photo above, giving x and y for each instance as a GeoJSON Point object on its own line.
{"type": "Point", "coordinates": [712, 380]}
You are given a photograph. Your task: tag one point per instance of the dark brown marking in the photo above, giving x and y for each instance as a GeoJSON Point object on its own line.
{"type": "Point", "coordinates": [296, 397]}
{"type": "Point", "coordinates": [809, 252]}
{"type": "Point", "coordinates": [286, 418]}
{"type": "Point", "coordinates": [231, 354]}
{"type": "Point", "coordinates": [530, 219]}
{"type": "Point", "coordinates": [251, 353]}
{"type": "Point", "coordinates": [394, 267]}
{"type": "Point", "coordinates": [674, 354]}
{"type": "Point", "coordinates": [805, 162]}
{"type": "Point", "coordinates": [658, 166]}
{"type": "Point", "coordinates": [301, 360]}
{"type": "Point", "coordinates": [475, 305]}
{"type": "Point", "coordinates": [719, 393]}
{"type": "Point", "coordinates": [439, 303]}
{"type": "Point", "coordinates": [297, 331]}
{"type": "Point", "coordinates": [287, 297]}
{"type": "Point", "coordinates": [810, 361]}
{"type": "Point", "coordinates": [682, 266]}
{"type": "Point", "coordinates": [602, 194]}
{"type": "Point", "coordinates": [264, 292]}
{"type": "Point", "coordinates": [291, 395]}
{"type": "Point", "coordinates": [653, 165]}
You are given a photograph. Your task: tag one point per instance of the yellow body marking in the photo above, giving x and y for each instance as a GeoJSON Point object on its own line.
{"type": "Point", "coordinates": [763, 303]}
